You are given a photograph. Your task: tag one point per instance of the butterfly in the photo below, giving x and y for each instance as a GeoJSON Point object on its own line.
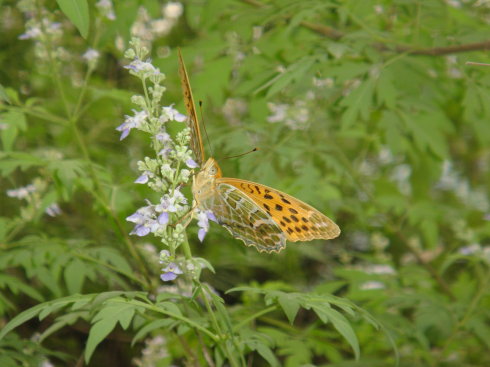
{"type": "Point", "coordinates": [258, 215]}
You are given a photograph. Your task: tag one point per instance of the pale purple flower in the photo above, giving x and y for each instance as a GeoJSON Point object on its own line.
{"type": "Point", "coordinates": [106, 8]}
{"type": "Point", "coordinates": [165, 152]}
{"type": "Point", "coordinates": [142, 179]}
{"type": "Point", "coordinates": [163, 218]}
{"type": "Point", "coordinates": [31, 33]}
{"type": "Point", "coordinates": [143, 66]}
{"type": "Point", "coordinates": [172, 114]}
{"type": "Point", "coordinates": [21, 192]}
{"type": "Point", "coordinates": [91, 55]}
{"type": "Point", "coordinates": [132, 122]}
{"type": "Point", "coordinates": [53, 210]}
{"type": "Point", "coordinates": [203, 218]}
{"type": "Point", "coordinates": [173, 203]}
{"type": "Point", "coordinates": [171, 271]}
{"type": "Point", "coordinates": [146, 221]}
{"type": "Point", "coordinates": [191, 163]}
{"type": "Point", "coordinates": [163, 137]}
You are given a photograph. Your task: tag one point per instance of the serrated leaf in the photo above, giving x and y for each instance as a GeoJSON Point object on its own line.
{"type": "Point", "coordinates": [77, 12]}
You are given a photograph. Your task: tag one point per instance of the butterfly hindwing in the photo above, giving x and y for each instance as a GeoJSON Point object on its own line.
{"type": "Point", "coordinates": [193, 122]}
{"type": "Point", "coordinates": [245, 220]}
{"type": "Point", "coordinates": [298, 220]}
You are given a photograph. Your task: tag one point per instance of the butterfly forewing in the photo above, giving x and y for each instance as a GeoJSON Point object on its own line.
{"type": "Point", "coordinates": [297, 220]}
{"type": "Point", "coordinates": [193, 122]}
{"type": "Point", "coordinates": [247, 221]}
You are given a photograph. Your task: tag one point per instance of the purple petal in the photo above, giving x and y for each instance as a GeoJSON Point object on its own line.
{"type": "Point", "coordinates": [171, 208]}
{"type": "Point", "coordinates": [142, 179]}
{"type": "Point", "coordinates": [163, 218]}
{"type": "Point", "coordinates": [136, 217]}
{"type": "Point", "coordinates": [164, 151]}
{"type": "Point", "coordinates": [211, 216]}
{"type": "Point", "coordinates": [140, 230]}
{"type": "Point", "coordinates": [180, 117]}
{"type": "Point", "coordinates": [124, 134]}
{"type": "Point", "coordinates": [201, 234]}
{"type": "Point", "coordinates": [166, 277]}
{"type": "Point", "coordinates": [191, 163]}
{"type": "Point", "coordinates": [163, 137]}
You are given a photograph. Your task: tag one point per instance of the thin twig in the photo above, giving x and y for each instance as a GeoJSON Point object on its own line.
{"type": "Point", "coordinates": [336, 35]}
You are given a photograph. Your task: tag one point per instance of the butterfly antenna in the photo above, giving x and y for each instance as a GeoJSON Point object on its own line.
{"type": "Point", "coordinates": [239, 155]}
{"type": "Point", "coordinates": [205, 131]}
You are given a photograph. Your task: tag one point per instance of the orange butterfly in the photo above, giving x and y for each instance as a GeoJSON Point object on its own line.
{"type": "Point", "coordinates": [258, 215]}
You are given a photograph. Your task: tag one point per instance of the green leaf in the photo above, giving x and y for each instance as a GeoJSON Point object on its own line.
{"type": "Point", "coordinates": [3, 94]}
{"type": "Point", "coordinates": [294, 72]}
{"type": "Point", "coordinates": [97, 334]}
{"type": "Point", "coordinates": [21, 318]}
{"type": "Point", "coordinates": [340, 323]}
{"type": "Point", "coordinates": [34, 311]}
{"type": "Point", "coordinates": [75, 275]}
{"type": "Point", "coordinates": [267, 354]}
{"type": "Point", "coordinates": [16, 122]}
{"type": "Point", "coordinates": [358, 103]}
{"type": "Point", "coordinates": [77, 12]}
{"type": "Point", "coordinates": [290, 306]}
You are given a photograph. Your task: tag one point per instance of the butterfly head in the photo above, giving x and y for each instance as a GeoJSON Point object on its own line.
{"type": "Point", "coordinates": [204, 181]}
{"type": "Point", "coordinates": [211, 169]}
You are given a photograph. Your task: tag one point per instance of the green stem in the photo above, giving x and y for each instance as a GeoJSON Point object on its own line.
{"type": "Point", "coordinates": [186, 247]}
{"type": "Point", "coordinates": [253, 317]}
{"type": "Point", "coordinates": [217, 327]}
{"type": "Point", "coordinates": [174, 316]}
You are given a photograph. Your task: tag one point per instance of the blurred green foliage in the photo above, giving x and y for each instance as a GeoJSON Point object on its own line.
{"type": "Point", "coordinates": [365, 109]}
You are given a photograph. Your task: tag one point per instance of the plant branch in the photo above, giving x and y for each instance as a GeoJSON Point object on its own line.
{"type": "Point", "coordinates": [334, 34]}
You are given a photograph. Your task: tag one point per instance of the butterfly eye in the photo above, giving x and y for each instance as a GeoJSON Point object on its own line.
{"type": "Point", "coordinates": [212, 170]}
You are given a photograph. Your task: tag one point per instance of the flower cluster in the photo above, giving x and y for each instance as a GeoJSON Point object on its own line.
{"type": "Point", "coordinates": [106, 9]}
{"type": "Point", "coordinates": [166, 172]}
{"type": "Point", "coordinates": [33, 195]}
{"type": "Point", "coordinates": [295, 116]}
{"type": "Point", "coordinates": [43, 30]}
{"type": "Point", "coordinates": [147, 29]}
